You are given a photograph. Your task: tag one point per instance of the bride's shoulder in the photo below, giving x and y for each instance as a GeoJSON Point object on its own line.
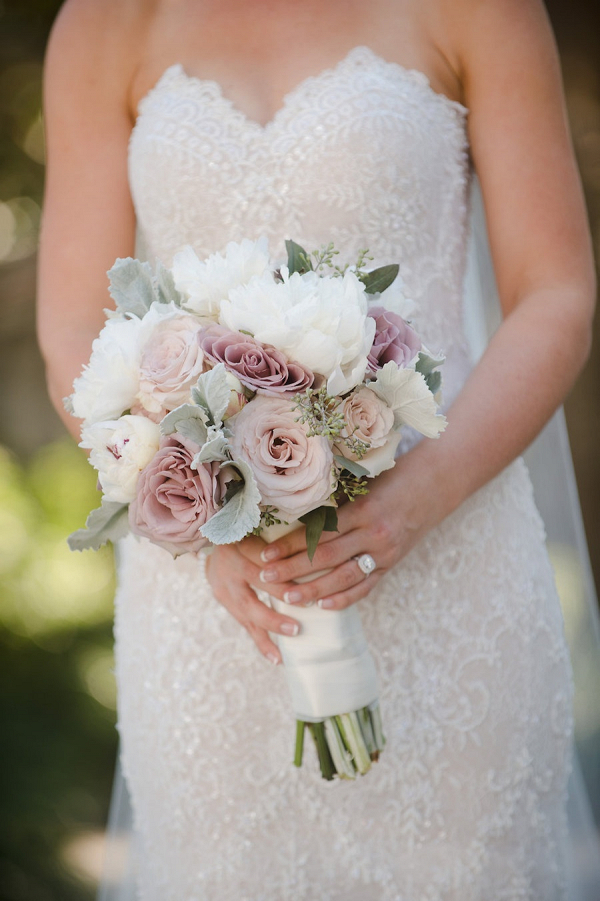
{"type": "Point", "coordinates": [94, 48]}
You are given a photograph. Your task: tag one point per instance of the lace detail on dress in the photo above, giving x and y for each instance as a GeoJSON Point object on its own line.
{"type": "Point", "coordinates": [467, 803]}
{"type": "Point", "coordinates": [365, 154]}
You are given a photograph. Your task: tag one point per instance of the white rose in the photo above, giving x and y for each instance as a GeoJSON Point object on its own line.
{"type": "Point", "coordinates": [119, 451]}
{"type": "Point", "coordinates": [205, 283]}
{"type": "Point", "coordinates": [109, 382]}
{"type": "Point", "coordinates": [370, 420]}
{"type": "Point", "coordinates": [321, 323]}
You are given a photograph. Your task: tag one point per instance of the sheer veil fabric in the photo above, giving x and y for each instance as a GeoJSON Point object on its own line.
{"type": "Point", "coordinates": [550, 466]}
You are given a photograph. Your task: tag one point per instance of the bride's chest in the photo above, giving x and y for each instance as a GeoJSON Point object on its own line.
{"type": "Point", "coordinates": [363, 152]}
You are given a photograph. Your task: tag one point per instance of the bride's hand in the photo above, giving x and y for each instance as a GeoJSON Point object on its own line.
{"type": "Point", "coordinates": [385, 523]}
{"type": "Point", "coordinates": [232, 570]}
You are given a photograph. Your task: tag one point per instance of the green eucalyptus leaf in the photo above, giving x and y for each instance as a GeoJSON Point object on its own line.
{"type": "Point", "coordinates": [298, 259]}
{"type": "Point", "coordinates": [427, 362]}
{"type": "Point", "coordinates": [132, 286]}
{"type": "Point", "coordinates": [165, 286]}
{"type": "Point", "coordinates": [189, 421]}
{"type": "Point", "coordinates": [379, 279]}
{"type": "Point", "coordinates": [213, 393]}
{"type": "Point", "coordinates": [315, 525]}
{"type": "Point", "coordinates": [241, 512]}
{"type": "Point", "coordinates": [351, 465]}
{"type": "Point", "coordinates": [108, 522]}
{"type": "Point", "coordinates": [331, 520]}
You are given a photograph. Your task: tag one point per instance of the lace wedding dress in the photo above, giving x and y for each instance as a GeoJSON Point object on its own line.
{"type": "Point", "coordinates": [467, 802]}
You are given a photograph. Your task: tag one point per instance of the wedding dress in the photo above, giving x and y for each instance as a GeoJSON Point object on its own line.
{"type": "Point", "coordinates": [467, 803]}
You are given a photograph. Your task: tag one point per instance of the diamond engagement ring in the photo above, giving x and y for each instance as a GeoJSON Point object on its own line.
{"type": "Point", "coordinates": [366, 564]}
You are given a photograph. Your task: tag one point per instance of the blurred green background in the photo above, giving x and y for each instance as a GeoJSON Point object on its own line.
{"type": "Point", "coordinates": [57, 694]}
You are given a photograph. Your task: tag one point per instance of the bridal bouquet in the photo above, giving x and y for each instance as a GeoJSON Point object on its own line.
{"type": "Point", "coordinates": [226, 397]}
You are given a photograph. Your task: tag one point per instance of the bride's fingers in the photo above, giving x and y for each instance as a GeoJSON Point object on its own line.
{"type": "Point", "coordinates": [291, 544]}
{"type": "Point", "coordinates": [327, 555]}
{"type": "Point", "coordinates": [265, 644]}
{"type": "Point", "coordinates": [252, 614]}
{"type": "Point", "coordinates": [341, 599]}
{"type": "Point", "coordinates": [338, 581]}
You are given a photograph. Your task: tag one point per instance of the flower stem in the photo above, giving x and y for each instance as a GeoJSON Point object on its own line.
{"type": "Point", "coordinates": [377, 725]}
{"type": "Point", "coordinates": [299, 742]}
{"type": "Point", "coordinates": [318, 733]}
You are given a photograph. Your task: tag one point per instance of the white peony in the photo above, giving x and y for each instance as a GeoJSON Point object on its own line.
{"type": "Point", "coordinates": [120, 449]}
{"type": "Point", "coordinates": [116, 378]}
{"type": "Point", "coordinates": [109, 382]}
{"type": "Point", "coordinates": [205, 283]}
{"type": "Point", "coordinates": [321, 323]}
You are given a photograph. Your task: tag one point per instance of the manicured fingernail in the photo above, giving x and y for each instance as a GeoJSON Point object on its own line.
{"type": "Point", "coordinates": [290, 628]}
{"type": "Point", "coordinates": [272, 658]}
{"type": "Point", "coordinates": [268, 575]}
{"type": "Point", "coordinates": [326, 603]}
{"type": "Point", "coordinates": [292, 597]}
{"type": "Point", "coordinates": [269, 553]}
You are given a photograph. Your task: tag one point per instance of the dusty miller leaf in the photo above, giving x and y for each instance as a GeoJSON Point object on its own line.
{"type": "Point", "coordinates": [213, 393]}
{"type": "Point", "coordinates": [240, 515]}
{"type": "Point", "coordinates": [165, 286]}
{"type": "Point", "coordinates": [189, 421]}
{"type": "Point", "coordinates": [216, 449]}
{"type": "Point", "coordinates": [132, 286]}
{"type": "Point", "coordinates": [108, 522]}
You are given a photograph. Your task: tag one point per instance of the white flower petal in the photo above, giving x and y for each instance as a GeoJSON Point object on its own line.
{"type": "Point", "coordinates": [406, 392]}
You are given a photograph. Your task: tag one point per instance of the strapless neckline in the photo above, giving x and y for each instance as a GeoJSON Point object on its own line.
{"type": "Point", "coordinates": [361, 55]}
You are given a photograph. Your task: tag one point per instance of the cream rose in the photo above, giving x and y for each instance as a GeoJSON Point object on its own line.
{"type": "Point", "coordinates": [369, 420]}
{"type": "Point", "coordinates": [294, 473]}
{"type": "Point", "coordinates": [170, 365]}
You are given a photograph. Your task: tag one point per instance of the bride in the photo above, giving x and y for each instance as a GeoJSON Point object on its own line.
{"type": "Point", "coordinates": [175, 122]}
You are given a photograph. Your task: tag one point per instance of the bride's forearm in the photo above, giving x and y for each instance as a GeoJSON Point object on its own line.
{"type": "Point", "coordinates": [524, 375]}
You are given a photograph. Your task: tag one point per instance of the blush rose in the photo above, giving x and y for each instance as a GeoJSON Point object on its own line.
{"type": "Point", "coordinates": [260, 367]}
{"type": "Point", "coordinates": [170, 365]}
{"type": "Point", "coordinates": [173, 501]}
{"type": "Point", "coordinates": [294, 473]}
{"type": "Point", "coordinates": [370, 420]}
{"type": "Point", "coordinates": [394, 340]}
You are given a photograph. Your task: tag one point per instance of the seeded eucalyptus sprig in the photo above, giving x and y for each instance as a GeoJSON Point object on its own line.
{"type": "Point", "coordinates": [351, 486]}
{"type": "Point", "coordinates": [320, 412]}
{"type": "Point", "coordinates": [302, 261]}
{"type": "Point", "coordinates": [268, 517]}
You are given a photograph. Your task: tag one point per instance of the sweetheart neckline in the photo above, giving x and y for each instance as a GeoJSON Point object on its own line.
{"type": "Point", "coordinates": [416, 76]}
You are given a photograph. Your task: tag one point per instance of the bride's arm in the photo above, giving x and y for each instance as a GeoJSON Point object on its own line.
{"type": "Point", "coordinates": [507, 62]}
{"type": "Point", "coordinates": [89, 221]}
{"type": "Point", "coordinates": [88, 217]}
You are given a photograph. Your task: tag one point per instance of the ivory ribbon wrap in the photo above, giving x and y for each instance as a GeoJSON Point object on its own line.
{"type": "Point", "coordinates": [328, 666]}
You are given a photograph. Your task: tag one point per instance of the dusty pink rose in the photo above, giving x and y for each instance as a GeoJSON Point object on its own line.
{"type": "Point", "coordinates": [258, 366]}
{"type": "Point", "coordinates": [173, 500]}
{"type": "Point", "coordinates": [370, 420]}
{"type": "Point", "coordinates": [294, 473]}
{"type": "Point", "coordinates": [170, 366]}
{"type": "Point", "coordinates": [394, 340]}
